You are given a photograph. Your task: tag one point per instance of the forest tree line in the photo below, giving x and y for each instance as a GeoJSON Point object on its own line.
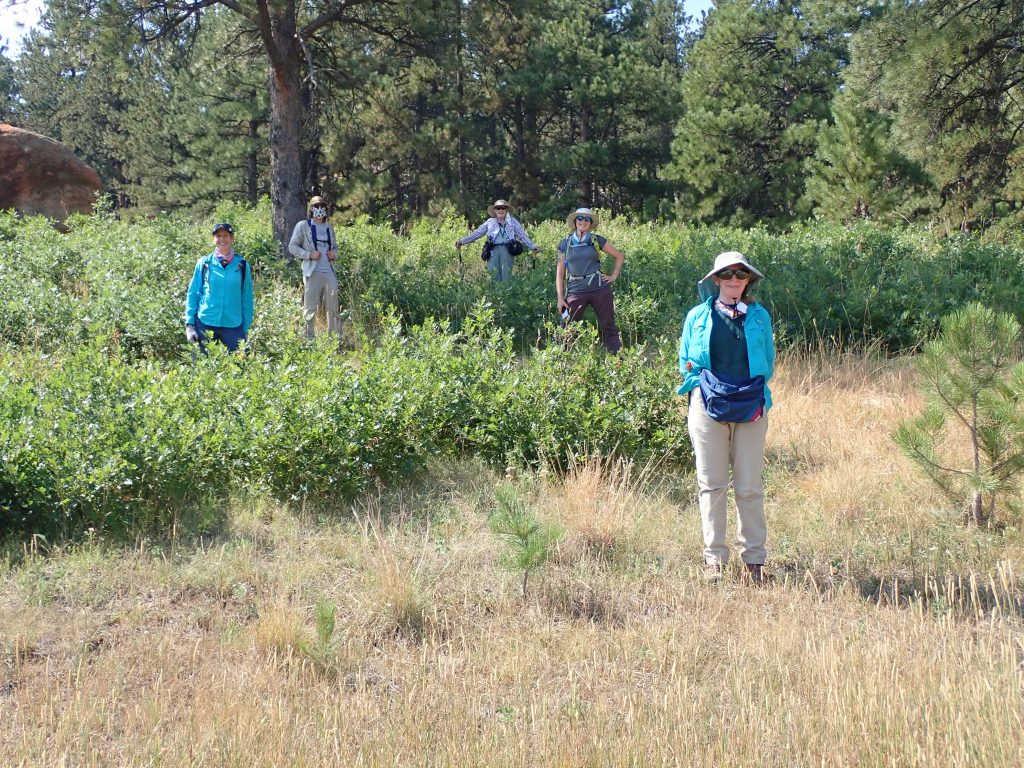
{"type": "Point", "coordinates": [765, 112]}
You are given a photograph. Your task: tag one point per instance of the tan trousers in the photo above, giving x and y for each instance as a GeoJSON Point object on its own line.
{"type": "Point", "coordinates": [718, 447]}
{"type": "Point", "coordinates": [321, 287]}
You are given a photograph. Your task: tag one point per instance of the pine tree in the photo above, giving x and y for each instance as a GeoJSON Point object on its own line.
{"type": "Point", "coordinates": [974, 382]}
{"type": "Point", "coordinates": [8, 88]}
{"type": "Point", "coordinates": [856, 173]}
{"type": "Point", "coordinates": [951, 76]}
{"type": "Point", "coordinates": [757, 84]}
{"type": "Point", "coordinates": [529, 541]}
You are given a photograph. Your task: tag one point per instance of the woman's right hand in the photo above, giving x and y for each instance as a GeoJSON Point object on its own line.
{"type": "Point", "coordinates": [314, 256]}
{"type": "Point", "coordinates": [562, 305]}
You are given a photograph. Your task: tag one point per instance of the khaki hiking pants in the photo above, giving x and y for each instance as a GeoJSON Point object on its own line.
{"type": "Point", "coordinates": [321, 288]}
{"type": "Point", "coordinates": [719, 447]}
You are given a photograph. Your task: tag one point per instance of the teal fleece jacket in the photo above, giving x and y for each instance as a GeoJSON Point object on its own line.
{"type": "Point", "coordinates": [222, 300]}
{"type": "Point", "coordinates": [695, 345]}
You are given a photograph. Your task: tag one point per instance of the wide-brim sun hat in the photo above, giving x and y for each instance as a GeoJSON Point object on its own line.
{"type": "Point", "coordinates": [498, 204]}
{"type": "Point", "coordinates": [728, 259]}
{"type": "Point", "coordinates": [706, 285]}
{"type": "Point", "coordinates": [571, 218]}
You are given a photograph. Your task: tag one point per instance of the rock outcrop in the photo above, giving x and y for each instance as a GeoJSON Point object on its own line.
{"type": "Point", "coordinates": [41, 176]}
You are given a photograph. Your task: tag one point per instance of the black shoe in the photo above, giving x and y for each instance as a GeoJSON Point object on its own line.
{"type": "Point", "coordinates": [755, 573]}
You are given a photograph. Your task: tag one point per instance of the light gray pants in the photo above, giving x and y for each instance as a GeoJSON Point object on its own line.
{"type": "Point", "coordinates": [321, 288]}
{"type": "Point", "coordinates": [718, 447]}
{"type": "Point", "coordinates": [500, 263]}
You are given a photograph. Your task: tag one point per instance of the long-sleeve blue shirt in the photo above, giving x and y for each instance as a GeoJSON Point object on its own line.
{"type": "Point", "coordinates": [223, 299]}
{"type": "Point", "coordinates": [695, 345]}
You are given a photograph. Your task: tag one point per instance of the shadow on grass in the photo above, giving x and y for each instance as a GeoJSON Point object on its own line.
{"type": "Point", "coordinates": [999, 594]}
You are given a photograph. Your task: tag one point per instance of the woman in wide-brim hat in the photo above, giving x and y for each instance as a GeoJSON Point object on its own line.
{"type": "Point", "coordinates": [502, 229]}
{"type": "Point", "coordinates": [726, 358]}
{"type": "Point", "coordinates": [579, 281]}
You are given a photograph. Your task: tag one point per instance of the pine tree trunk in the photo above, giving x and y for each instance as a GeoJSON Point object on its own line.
{"type": "Point", "coordinates": [977, 509]}
{"type": "Point", "coordinates": [588, 179]}
{"type": "Point", "coordinates": [251, 164]}
{"type": "Point", "coordinates": [286, 191]}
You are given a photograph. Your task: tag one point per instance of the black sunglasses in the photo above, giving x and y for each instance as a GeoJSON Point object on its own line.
{"type": "Point", "coordinates": [584, 218]}
{"type": "Point", "coordinates": [501, 207]}
{"type": "Point", "coordinates": [725, 274]}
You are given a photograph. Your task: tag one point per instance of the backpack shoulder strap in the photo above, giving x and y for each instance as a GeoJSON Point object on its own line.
{"type": "Point", "coordinates": [206, 270]}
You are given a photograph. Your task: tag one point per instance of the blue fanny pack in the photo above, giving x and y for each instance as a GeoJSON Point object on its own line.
{"type": "Point", "coordinates": [728, 400]}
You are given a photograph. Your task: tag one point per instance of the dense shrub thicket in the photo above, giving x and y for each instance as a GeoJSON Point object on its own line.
{"type": "Point", "coordinates": [94, 439]}
{"type": "Point", "coordinates": [106, 422]}
{"type": "Point", "coordinates": [839, 284]}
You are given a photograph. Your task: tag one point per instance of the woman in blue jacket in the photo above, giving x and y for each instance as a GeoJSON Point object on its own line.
{"type": "Point", "coordinates": [726, 357]}
{"type": "Point", "coordinates": [220, 296]}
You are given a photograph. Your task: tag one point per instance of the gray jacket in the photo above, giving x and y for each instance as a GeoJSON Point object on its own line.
{"type": "Point", "coordinates": [301, 244]}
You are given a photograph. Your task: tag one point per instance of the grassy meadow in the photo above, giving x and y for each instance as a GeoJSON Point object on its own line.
{"type": "Point", "coordinates": [384, 630]}
{"type": "Point", "coordinates": [289, 558]}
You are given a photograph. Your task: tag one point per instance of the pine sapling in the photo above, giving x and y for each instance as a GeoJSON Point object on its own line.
{"type": "Point", "coordinates": [529, 541]}
{"type": "Point", "coordinates": [974, 383]}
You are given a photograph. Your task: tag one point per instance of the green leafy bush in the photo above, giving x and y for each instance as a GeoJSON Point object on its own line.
{"type": "Point", "coordinates": [106, 422]}
{"type": "Point", "coordinates": [99, 440]}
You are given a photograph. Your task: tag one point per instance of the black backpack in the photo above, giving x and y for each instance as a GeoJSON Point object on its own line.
{"type": "Point", "coordinates": [515, 247]}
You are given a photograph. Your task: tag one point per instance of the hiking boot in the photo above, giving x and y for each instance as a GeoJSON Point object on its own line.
{"type": "Point", "coordinates": [754, 573]}
{"type": "Point", "coordinates": [712, 573]}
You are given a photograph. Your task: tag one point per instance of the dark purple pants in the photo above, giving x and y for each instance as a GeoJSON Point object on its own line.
{"type": "Point", "coordinates": [603, 303]}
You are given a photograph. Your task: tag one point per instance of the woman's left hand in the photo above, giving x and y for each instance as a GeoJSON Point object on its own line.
{"type": "Point", "coordinates": [609, 279]}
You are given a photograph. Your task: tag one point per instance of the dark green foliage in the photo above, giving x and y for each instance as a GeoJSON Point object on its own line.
{"type": "Point", "coordinates": [179, 124]}
{"type": "Point", "coordinates": [8, 93]}
{"type": "Point", "coordinates": [759, 79]}
{"type": "Point", "coordinates": [857, 172]}
{"type": "Point", "coordinates": [950, 75]}
{"type": "Point", "coordinates": [766, 114]}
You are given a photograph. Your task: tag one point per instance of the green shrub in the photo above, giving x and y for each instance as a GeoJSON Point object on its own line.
{"type": "Point", "coordinates": [99, 440]}
{"type": "Point", "coordinates": [105, 422]}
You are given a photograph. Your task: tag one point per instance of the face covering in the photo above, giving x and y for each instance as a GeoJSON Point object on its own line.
{"type": "Point", "coordinates": [319, 212]}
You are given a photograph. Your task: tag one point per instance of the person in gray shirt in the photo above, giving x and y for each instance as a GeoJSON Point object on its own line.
{"type": "Point", "coordinates": [579, 282]}
{"type": "Point", "coordinates": [313, 242]}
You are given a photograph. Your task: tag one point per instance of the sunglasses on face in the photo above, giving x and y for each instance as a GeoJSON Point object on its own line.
{"type": "Point", "coordinates": [500, 208]}
{"type": "Point", "coordinates": [585, 218]}
{"type": "Point", "coordinates": [739, 274]}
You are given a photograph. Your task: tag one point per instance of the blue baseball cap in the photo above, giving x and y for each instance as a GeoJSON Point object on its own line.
{"type": "Point", "coordinates": [226, 227]}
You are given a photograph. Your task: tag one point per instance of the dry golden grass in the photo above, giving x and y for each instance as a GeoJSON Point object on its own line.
{"type": "Point", "coordinates": [209, 654]}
